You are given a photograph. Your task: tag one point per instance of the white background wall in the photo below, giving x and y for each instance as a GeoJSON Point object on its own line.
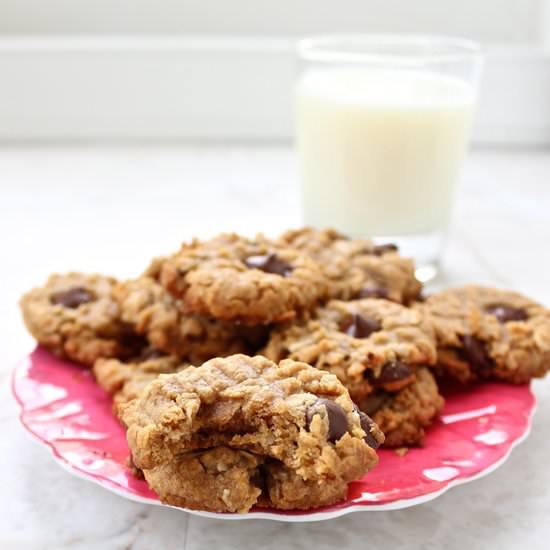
{"type": "Point", "coordinates": [515, 21]}
{"type": "Point", "coordinates": [223, 69]}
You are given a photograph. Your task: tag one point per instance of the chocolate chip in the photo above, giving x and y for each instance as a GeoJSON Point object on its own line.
{"type": "Point", "coordinates": [358, 326]}
{"type": "Point", "coordinates": [367, 423]}
{"type": "Point", "coordinates": [73, 298]}
{"type": "Point", "coordinates": [255, 337]}
{"type": "Point", "coordinates": [381, 249]}
{"type": "Point", "coordinates": [474, 352]}
{"type": "Point", "coordinates": [507, 313]}
{"type": "Point", "coordinates": [373, 292]}
{"type": "Point", "coordinates": [270, 263]}
{"type": "Point", "coordinates": [336, 416]}
{"type": "Point", "coordinates": [374, 402]}
{"type": "Point", "coordinates": [394, 371]}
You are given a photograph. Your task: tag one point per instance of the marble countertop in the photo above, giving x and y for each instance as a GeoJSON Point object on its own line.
{"type": "Point", "coordinates": [111, 209]}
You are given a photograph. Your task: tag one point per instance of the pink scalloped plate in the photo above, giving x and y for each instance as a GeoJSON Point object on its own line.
{"type": "Point", "coordinates": [65, 410]}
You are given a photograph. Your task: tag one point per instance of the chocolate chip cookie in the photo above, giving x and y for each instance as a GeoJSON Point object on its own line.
{"type": "Point", "coordinates": [125, 380]}
{"type": "Point", "coordinates": [357, 268]}
{"type": "Point", "coordinates": [251, 281]}
{"type": "Point", "coordinates": [404, 416]}
{"type": "Point", "coordinates": [487, 333]}
{"type": "Point", "coordinates": [299, 422]}
{"type": "Point", "coordinates": [76, 316]}
{"type": "Point", "coordinates": [155, 313]}
{"type": "Point", "coordinates": [368, 344]}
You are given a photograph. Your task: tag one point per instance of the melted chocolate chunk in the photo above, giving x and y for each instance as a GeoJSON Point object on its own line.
{"type": "Point", "coordinates": [373, 292]}
{"type": "Point", "coordinates": [374, 402]}
{"type": "Point", "coordinates": [270, 263]}
{"type": "Point", "coordinates": [474, 352]}
{"type": "Point", "coordinates": [507, 313]}
{"type": "Point", "coordinates": [337, 420]}
{"type": "Point", "coordinates": [358, 326]}
{"type": "Point", "coordinates": [73, 297]}
{"type": "Point", "coordinates": [367, 423]}
{"type": "Point", "coordinates": [394, 371]}
{"type": "Point", "coordinates": [255, 337]}
{"type": "Point", "coordinates": [381, 249]}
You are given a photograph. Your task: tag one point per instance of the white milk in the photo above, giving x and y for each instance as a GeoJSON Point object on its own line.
{"type": "Point", "coordinates": [381, 150]}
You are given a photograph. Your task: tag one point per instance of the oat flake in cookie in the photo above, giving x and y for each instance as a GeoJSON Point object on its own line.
{"type": "Point", "coordinates": [368, 344]}
{"type": "Point", "coordinates": [76, 316]}
{"type": "Point", "coordinates": [289, 434]}
{"type": "Point", "coordinates": [251, 281]}
{"type": "Point", "coordinates": [487, 333]}
{"type": "Point", "coordinates": [357, 268]}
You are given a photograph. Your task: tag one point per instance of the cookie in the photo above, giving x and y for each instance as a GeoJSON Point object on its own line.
{"type": "Point", "coordinates": [251, 281]}
{"type": "Point", "coordinates": [76, 317]}
{"type": "Point", "coordinates": [487, 333]}
{"type": "Point", "coordinates": [216, 480]}
{"type": "Point", "coordinates": [153, 312]}
{"type": "Point", "coordinates": [125, 380]}
{"type": "Point", "coordinates": [405, 415]}
{"type": "Point", "coordinates": [357, 268]}
{"type": "Point", "coordinates": [368, 344]}
{"type": "Point", "coordinates": [295, 418]}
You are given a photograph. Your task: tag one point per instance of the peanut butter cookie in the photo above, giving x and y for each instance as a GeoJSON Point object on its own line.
{"type": "Point", "coordinates": [368, 344]}
{"type": "Point", "coordinates": [251, 281]}
{"type": "Point", "coordinates": [155, 313]}
{"type": "Point", "coordinates": [487, 333]}
{"type": "Point", "coordinates": [357, 268]}
{"type": "Point", "coordinates": [298, 421]}
{"type": "Point", "coordinates": [404, 416]}
{"type": "Point", "coordinates": [125, 380]}
{"type": "Point", "coordinates": [76, 316]}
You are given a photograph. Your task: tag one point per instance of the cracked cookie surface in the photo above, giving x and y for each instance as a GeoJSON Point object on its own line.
{"type": "Point", "coordinates": [367, 344]}
{"type": "Point", "coordinates": [357, 268]}
{"type": "Point", "coordinates": [252, 281]}
{"type": "Point", "coordinates": [76, 316]}
{"type": "Point", "coordinates": [298, 420]}
{"type": "Point", "coordinates": [488, 333]}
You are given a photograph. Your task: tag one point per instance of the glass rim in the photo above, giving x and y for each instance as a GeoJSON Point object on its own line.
{"type": "Point", "coordinates": [362, 48]}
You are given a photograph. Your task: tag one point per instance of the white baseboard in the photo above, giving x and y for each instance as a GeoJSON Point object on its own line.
{"type": "Point", "coordinates": [57, 88]}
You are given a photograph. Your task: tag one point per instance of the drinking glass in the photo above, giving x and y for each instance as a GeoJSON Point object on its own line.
{"type": "Point", "coordinates": [383, 124]}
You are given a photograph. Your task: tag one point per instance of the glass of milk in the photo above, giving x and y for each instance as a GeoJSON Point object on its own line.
{"type": "Point", "coordinates": [383, 123]}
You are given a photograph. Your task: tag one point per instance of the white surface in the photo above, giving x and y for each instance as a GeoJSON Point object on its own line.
{"type": "Point", "coordinates": [213, 88]}
{"type": "Point", "coordinates": [497, 20]}
{"type": "Point", "coordinates": [110, 210]}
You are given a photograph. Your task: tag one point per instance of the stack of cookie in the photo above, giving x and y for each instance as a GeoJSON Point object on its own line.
{"type": "Point", "coordinates": [240, 430]}
{"type": "Point", "coordinates": [313, 343]}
